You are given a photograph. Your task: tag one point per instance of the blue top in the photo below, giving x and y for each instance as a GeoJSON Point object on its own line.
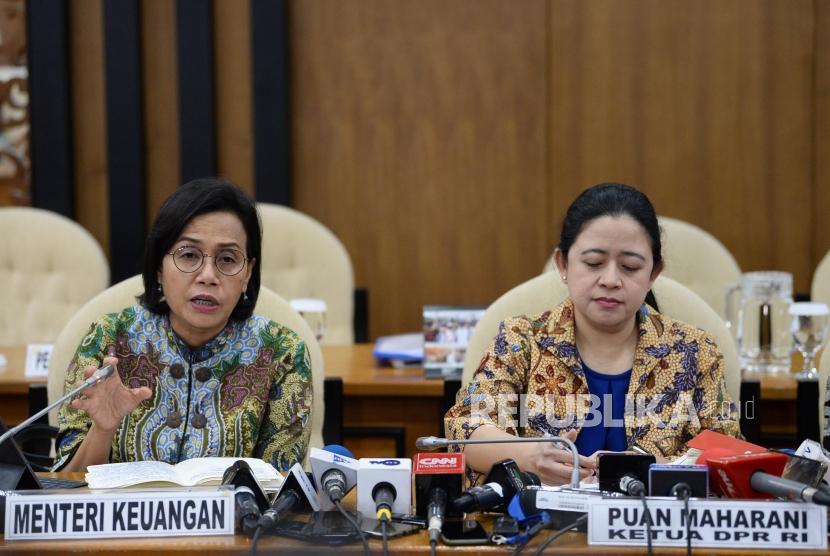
{"type": "Point", "coordinates": [604, 429]}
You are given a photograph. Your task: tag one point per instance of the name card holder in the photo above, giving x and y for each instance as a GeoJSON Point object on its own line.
{"type": "Point", "coordinates": [159, 512]}
{"type": "Point", "coordinates": [37, 359]}
{"type": "Point", "coordinates": [750, 524]}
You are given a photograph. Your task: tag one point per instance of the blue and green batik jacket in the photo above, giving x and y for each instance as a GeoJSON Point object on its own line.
{"type": "Point", "coordinates": [246, 393]}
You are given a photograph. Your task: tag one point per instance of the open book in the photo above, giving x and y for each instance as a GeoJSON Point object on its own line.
{"type": "Point", "coordinates": [191, 472]}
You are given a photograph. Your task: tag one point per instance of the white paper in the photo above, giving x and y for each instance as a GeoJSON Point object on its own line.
{"type": "Point", "coordinates": [37, 359]}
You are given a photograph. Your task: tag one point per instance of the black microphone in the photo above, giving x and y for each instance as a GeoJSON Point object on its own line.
{"type": "Point", "coordinates": [247, 511]}
{"type": "Point", "coordinates": [296, 494]}
{"type": "Point", "coordinates": [282, 506]}
{"type": "Point", "coordinates": [501, 484]}
{"type": "Point", "coordinates": [630, 485]}
{"type": "Point", "coordinates": [435, 513]}
{"type": "Point", "coordinates": [384, 495]}
{"type": "Point", "coordinates": [249, 497]}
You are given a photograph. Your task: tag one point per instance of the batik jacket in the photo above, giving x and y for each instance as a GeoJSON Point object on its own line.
{"type": "Point", "coordinates": [677, 386]}
{"type": "Point", "coordinates": [246, 393]}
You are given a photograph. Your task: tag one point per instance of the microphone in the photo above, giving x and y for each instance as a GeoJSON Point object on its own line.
{"type": "Point", "coordinates": [436, 513]}
{"type": "Point", "coordinates": [630, 485]}
{"type": "Point", "coordinates": [384, 482]}
{"type": "Point", "coordinates": [438, 477]}
{"type": "Point", "coordinates": [383, 495]}
{"type": "Point", "coordinates": [246, 512]}
{"type": "Point", "coordinates": [731, 474]}
{"type": "Point", "coordinates": [335, 473]}
{"type": "Point", "coordinates": [101, 374]}
{"type": "Point", "coordinates": [434, 442]}
{"type": "Point", "coordinates": [785, 488]}
{"type": "Point", "coordinates": [296, 495]}
{"type": "Point", "coordinates": [501, 484]}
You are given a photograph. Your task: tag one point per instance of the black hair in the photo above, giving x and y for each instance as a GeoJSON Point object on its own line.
{"type": "Point", "coordinates": [612, 199]}
{"type": "Point", "coordinates": [197, 197]}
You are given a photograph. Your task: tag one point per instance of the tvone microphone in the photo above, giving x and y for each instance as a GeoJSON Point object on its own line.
{"type": "Point", "coordinates": [101, 374]}
{"type": "Point", "coordinates": [377, 478]}
{"type": "Point", "coordinates": [732, 474]}
{"type": "Point", "coordinates": [501, 484]}
{"type": "Point", "coordinates": [335, 473]}
{"type": "Point", "coordinates": [438, 479]}
{"type": "Point", "coordinates": [434, 442]}
{"type": "Point", "coordinates": [296, 495]}
{"type": "Point", "coordinates": [383, 495]}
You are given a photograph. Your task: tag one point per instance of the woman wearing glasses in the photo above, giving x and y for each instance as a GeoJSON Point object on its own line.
{"type": "Point", "coordinates": [198, 373]}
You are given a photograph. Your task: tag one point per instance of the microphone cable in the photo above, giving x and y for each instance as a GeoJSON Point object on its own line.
{"type": "Point", "coordinates": [354, 524]}
{"type": "Point", "coordinates": [579, 521]}
{"type": "Point", "coordinates": [683, 492]}
{"type": "Point", "coordinates": [544, 520]}
{"type": "Point", "coordinates": [255, 539]}
{"type": "Point", "coordinates": [383, 534]}
{"type": "Point", "coordinates": [649, 548]}
{"type": "Point", "coordinates": [632, 486]}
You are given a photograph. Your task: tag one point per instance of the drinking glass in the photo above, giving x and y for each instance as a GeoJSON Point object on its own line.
{"type": "Point", "coordinates": [314, 313]}
{"type": "Point", "coordinates": [809, 329]}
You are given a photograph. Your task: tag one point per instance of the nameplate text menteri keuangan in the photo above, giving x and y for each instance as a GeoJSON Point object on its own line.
{"type": "Point", "coordinates": [119, 513]}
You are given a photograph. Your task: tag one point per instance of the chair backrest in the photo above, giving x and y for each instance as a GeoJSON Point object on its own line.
{"type": "Point", "coordinates": [49, 268]}
{"type": "Point", "coordinates": [301, 258]}
{"type": "Point", "coordinates": [820, 290]}
{"type": "Point", "coordinates": [123, 294]}
{"type": "Point", "coordinates": [696, 259]}
{"type": "Point", "coordinates": [546, 291]}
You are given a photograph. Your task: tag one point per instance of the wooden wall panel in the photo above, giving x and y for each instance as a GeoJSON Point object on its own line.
{"type": "Point", "coordinates": [705, 105]}
{"type": "Point", "coordinates": [821, 131]}
{"type": "Point", "coordinates": [420, 140]}
{"type": "Point", "coordinates": [161, 112]}
{"type": "Point", "coordinates": [86, 44]}
{"type": "Point", "coordinates": [232, 36]}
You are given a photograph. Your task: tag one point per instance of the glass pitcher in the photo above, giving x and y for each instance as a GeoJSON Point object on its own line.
{"type": "Point", "coordinates": [760, 321]}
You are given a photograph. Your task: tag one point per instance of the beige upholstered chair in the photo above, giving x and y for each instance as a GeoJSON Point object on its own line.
{"type": "Point", "coordinates": [301, 258]}
{"type": "Point", "coordinates": [546, 291]}
{"type": "Point", "coordinates": [123, 294]}
{"type": "Point", "coordinates": [820, 290]}
{"type": "Point", "coordinates": [49, 267]}
{"type": "Point", "coordinates": [696, 259]}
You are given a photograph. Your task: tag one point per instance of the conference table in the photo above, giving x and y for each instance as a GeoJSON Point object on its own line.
{"type": "Point", "coordinates": [417, 543]}
{"type": "Point", "coordinates": [385, 408]}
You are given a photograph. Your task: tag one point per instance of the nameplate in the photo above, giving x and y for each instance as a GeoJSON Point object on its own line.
{"type": "Point", "coordinates": [751, 524]}
{"type": "Point", "coordinates": [126, 513]}
{"type": "Point", "coordinates": [37, 359]}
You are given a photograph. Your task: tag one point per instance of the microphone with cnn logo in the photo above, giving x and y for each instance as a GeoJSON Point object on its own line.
{"type": "Point", "coordinates": [438, 479]}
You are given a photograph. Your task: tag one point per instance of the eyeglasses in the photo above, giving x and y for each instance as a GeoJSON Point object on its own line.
{"type": "Point", "coordinates": [229, 262]}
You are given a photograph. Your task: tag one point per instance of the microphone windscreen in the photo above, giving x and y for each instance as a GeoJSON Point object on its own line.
{"type": "Point", "coordinates": [338, 449]}
{"type": "Point", "coordinates": [731, 475]}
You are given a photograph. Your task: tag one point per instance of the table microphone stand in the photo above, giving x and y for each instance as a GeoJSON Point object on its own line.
{"type": "Point", "coordinates": [99, 375]}
{"type": "Point", "coordinates": [433, 443]}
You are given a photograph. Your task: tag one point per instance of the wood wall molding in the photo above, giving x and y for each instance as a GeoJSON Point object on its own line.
{"type": "Point", "coordinates": [420, 140]}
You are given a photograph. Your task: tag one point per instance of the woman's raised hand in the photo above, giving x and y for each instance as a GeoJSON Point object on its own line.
{"type": "Point", "coordinates": [109, 401]}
